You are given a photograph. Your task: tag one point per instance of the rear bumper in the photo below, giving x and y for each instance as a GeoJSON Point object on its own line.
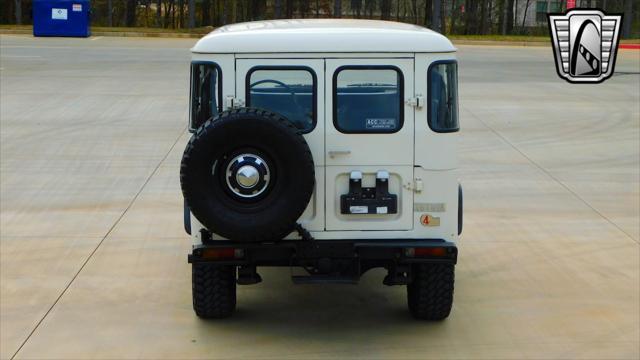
{"type": "Point", "coordinates": [367, 253]}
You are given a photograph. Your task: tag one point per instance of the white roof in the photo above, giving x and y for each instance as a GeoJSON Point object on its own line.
{"type": "Point", "coordinates": [323, 36]}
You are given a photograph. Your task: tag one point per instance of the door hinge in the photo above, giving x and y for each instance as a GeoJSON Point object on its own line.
{"type": "Point", "coordinates": [417, 186]}
{"type": "Point", "coordinates": [417, 101]}
{"type": "Point", "coordinates": [231, 102]}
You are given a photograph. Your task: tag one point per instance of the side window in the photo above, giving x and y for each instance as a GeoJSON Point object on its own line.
{"type": "Point", "coordinates": [443, 96]}
{"type": "Point", "coordinates": [288, 91]}
{"type": "Point", "coordinates": [368, 99]}
{"type": "Point", "coordinates": [206, 89]}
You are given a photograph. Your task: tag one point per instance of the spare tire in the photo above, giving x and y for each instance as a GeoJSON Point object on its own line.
{"type": "Point", "coordinates": [247, 175]}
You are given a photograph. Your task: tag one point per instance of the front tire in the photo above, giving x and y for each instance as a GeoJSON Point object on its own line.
{"type": "Point", "coordinates": [430, 294]}
{"type": "Point", "coordinates": [214, 290]}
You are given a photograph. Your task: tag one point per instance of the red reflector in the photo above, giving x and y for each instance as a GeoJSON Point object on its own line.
{"type": "Point", "coordinates": [431, 251]}
{"type": "Point", "coordinates": [218, 253]}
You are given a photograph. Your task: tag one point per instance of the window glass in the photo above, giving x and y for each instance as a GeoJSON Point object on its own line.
{"type": "Point", "coordinates": [443, 102]}
{"type": "Point", "coordinates": [368, 100]}
{"type": "Point", "coordinates": [289, 92]}
{"type": "Point", "coordinates": [205, 96]}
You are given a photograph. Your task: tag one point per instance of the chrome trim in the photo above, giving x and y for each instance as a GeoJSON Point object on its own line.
{"type": "Point", "coordinates": [247, 175]}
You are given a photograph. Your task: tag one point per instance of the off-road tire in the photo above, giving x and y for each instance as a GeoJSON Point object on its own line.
{"type": "Point", "coordinates": [430, 294]}
{"type": "Point", "coordinates": [214, 290]}
{"type": "Point", "coordinates": [271, 215]}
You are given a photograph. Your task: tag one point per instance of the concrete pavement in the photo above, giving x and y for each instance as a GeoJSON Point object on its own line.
{"type": "Point", "coordinates": [93, 255]}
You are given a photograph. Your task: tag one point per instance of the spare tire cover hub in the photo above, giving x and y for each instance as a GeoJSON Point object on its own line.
{"type": "Point", "coordinates": [247, 175]}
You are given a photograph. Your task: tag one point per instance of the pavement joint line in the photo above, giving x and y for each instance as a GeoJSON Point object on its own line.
{"type": "Point", "coordinates": [544, 171]}
{"type": "Point", "coordinates": [133, 200]}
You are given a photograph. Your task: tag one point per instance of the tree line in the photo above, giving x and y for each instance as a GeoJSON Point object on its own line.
{"type": "Point", "coordinates": [446, 16]}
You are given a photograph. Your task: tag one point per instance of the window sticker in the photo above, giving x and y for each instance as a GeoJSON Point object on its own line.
{"type": "Point", "coordinates": [382, 210]}
{"type": "Point", "coordinates": [359, 209]}
{"type": "Point", "coordinates": [381, 124]}
{"type": "Point", "coordinates": [77, 7]}
{"type": "Point", "coordinates": [59, 14]}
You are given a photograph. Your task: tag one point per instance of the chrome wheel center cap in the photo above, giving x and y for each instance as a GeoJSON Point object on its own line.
{"type": "Point", "coordinates": [247, 176]}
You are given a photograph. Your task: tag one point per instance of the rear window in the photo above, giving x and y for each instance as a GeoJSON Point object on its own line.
{"type": "Point", "coordinates": [443, 96]}
{"type": "Point", "coordinates": [288, 91]}
{"type": "Point", "coordinates": [368, 99]}
{"type": "Point", "coordinates": [206, 89]}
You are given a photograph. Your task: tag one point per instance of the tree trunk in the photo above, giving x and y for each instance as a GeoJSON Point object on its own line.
{"type": "Point", "coordinates": [435, 16]}
{"type": "Point", "coordinates": [277, 9]}
{"type": "Point", "coordinates": [369, 7]}
{"type": "Point", "coordinates": [204, 18]}
{"type": "Point", "coordinates": [443, 16]}
{"type": "Point", "coordinates": [18, 12]}
{"type": "Point", "coordinates": [214, 13]}
{"type": "Point", "coordinates": [260, 9]}
{"type": "Point", "coordinates": [303, 8]}
{"type": "Point", "coordinates": [454, 11]}
{"type": "Point", "coordinates": [173, 14]}
{"type": "Point", "coordinates": [110, 13]}
{"type": "Point", "coordinates": [167, 14]}
{"type": "Point", "coordinates": [337, 8]}
{"type": "Point", "coordinates": [414, 10]}
{"type": "Point", "coordinates": [510, 16]}
{"type": "Point", "coordinates": [191, 9]}
{"type": "Point", "coordinates": [130, 13]}
{"type": "Point", "coordinates": [234, 12]}
{"type": "Point", "coordinates": [428, 4]}
{"type": "Point", "coordinates": [357, 6]}
{"type": "Point", "coordinates": [628, 19]}
{"type": "Point", "coordinates": [524, 18]}
{"type": "Point", "coordinates": [483, 15]}
{"type": "Point", "coordinates": [288, 8]}
{"type": "Point", "coordinates": [503, 17]}
{"type": "Point", "coordinates": [224, 13]}
{"type": "Point", "coordinates": [468, 18]}
{"type": "Point", "coordinates": [385, 9]}
{"type": "Point", "coordinates": [159, 13]}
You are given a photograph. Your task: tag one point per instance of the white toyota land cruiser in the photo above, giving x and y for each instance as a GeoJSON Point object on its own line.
{"type": "Point", "coordinates": [328, 146]}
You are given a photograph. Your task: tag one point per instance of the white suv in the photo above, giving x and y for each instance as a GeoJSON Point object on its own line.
{"type": "Point", "coordinates": [328, 146]}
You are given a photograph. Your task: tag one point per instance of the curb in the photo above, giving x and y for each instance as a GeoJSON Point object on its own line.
{"type": "Point", "coordinates": [197, 36]}
{"type": "Point", "coordinates": [632, 46]}
{"type": "Point", "coordinates": [500, 43]}
{"type": "Point", "coordinates": [116, 34]}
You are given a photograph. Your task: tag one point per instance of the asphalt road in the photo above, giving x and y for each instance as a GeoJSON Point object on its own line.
{"type": "Point", "coordinates": [93, 255]}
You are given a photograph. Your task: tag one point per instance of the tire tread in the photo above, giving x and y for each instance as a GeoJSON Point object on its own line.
{"type": "Point", "coordinates": [430, 294]}
{"type": "Point", "coordinates": [214, 290]}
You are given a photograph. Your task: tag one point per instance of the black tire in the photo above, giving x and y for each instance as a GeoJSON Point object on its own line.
{"type": "Point", "coordinates": [430, 294]}
{"type": "Point", "coordinates": [212, 194]}
{"type": "Point", "coordinates": [214, 290]}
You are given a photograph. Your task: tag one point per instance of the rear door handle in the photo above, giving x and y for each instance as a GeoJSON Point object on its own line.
{"type": "Point", "coordinates": [334, 153]}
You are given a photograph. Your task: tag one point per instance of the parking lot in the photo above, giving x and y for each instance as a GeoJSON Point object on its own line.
{"type": "Point", "coordinates": [93, 253]}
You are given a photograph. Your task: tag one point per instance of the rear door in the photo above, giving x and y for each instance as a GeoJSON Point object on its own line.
{"type": "Point", "coordinates": [291, 87]}
{"type": "Point", "coordinates": [369, 134]}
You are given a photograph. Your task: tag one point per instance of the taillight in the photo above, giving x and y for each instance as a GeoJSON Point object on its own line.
{"type": "Point", "coordinates": [222, 253]}
{"type": "Point", "coordinates": [426, 252]}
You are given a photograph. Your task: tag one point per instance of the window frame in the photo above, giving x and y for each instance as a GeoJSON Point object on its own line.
{"type": "Point", "coordinates": [314, 95]}
{"type": "Point", "coordinates": [334, 97]}
{"type": "Point", "coordinates": [219, 70]}
{"type": "Point", "coordinates": [429, 91]}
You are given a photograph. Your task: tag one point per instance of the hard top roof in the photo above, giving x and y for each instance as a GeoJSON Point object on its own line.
{"type": "Point", "coordinates": [322, 36]}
